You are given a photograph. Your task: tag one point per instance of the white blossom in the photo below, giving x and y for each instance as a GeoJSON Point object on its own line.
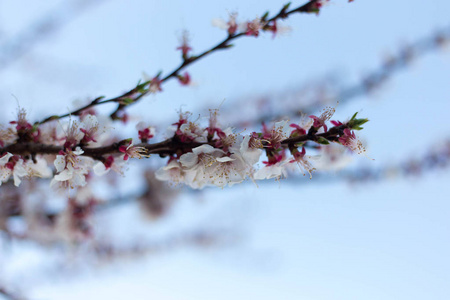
{"type": "Point", "coordinates": [145, 131]}
{"type": "Point", "coordinates": [250, 150]}
{"type": "Point", "coordinates": [72, 169]}
{"type": "Point", "coordinates": [7, 135]}
{"type": "Point", "coordinates": [111, 163]}
{"type": "Point", "coordinates": [193, 131]}
{"type": "Point", "coordinates": [51, 133]}
{"type": "Point", "coordinates": [73, 134]}
{"type": "Point", "coordinates": [230, 170]}
{"type": "Point", "coordinates": [276, 171]}
{"type": "Point", "coordinates": [172, 172]}
{"type": "Point", "coordinates": [14, 168]}
{"type": "Point", "coordinates": [199, 165]}
{"type": "Point", "coordinates": [92, 130]}
{"type": "Point", "coordinates": [38, 169]}
{"type": "Point", "coordinates": [333, 157]}
{"type": "Point", "coordinates": [12, 165]}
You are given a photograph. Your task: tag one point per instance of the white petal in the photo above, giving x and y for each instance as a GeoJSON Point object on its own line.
{"type": "Point", "coordinates": [275, 171]}
{"type": "Point", "coordinates": [40, 168]}
{"type": "Point", "coordinates": [4, 160]}
{"type": "Point", "coordinates": [64, 175]}
{"type": "Point", "coordinates": [78, 180]}
{"type": "Point", "coordinates": [60, 163]}
{"type": "Point", "coordinates": [17, 180]}
{"type": "Point", "coordinates": [242, 27]}
{"type": "Point", "coordinates": [188, 160]}
{"type": "Point", "coordinates": [250, 156]}
{"type": "Point", "coordinates": [225, 159]}
{"type": "Point", "coordinates": [5, 173]}
{"type": "Point", "coordinates": [141, 125]}
{"type": "Point", "coordinates": [162, 174]}
{"type": "Point", "coordinates": [219, 23]}
{"type": "Point", "coordinates": [100, 169]}
{"type": "Point", "coordinates": [204, 149]}
{"type": "Point", "coordinates": [19, 169]}
{"type": "Point", "coordinates": [78, 151]}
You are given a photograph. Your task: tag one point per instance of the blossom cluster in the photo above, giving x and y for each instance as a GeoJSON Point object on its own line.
{"type": "Point", "coordinates": [250, 28]}
{"type": "Point", "coordinates": [35, 148]}
{"type": "Point", "coordinates": [222, 157]}
{"type": "Point", "coordinates": [199, 155]}
{"type": "Point", "coordinates": [255, 26]}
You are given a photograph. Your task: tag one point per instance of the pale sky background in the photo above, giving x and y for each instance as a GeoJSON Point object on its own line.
{"type": "Point", "coordinates": [298, 240]}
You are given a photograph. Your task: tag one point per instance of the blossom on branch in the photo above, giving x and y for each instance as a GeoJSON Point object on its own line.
{"type": "Point", "coordinates": [109, 163]}
{"type": "Point", "coordinates": [303, 161]}
{"type": "Point", "coordinates": [145, 131]}
{"type": "Point", "coordinates": [7, 136]}
{"type": "Point", "coordinates": [11, 165]}
{"type": "Point", "coordinates": [231, 26]}
{"type": "Point", "coordinates": [276, 29]}
{"type": "Point", "coordinates": [173, 172]}
{"type": "Point", "coordinates": [350, 141]}
{"type": "Point", "coordinates": [274, 136]}
{"type": "Point", "coordinates": [332, 157]}
{"type": "Point", "coordinates": [73, 134]}
{"type": "Point", "coordinates": [90, 128]}
{"type": "Point", "coordinates": [72, 168]}
{"type": "Point", "coordinates": [133, 151]}
{"type": "Point", "coordinates": [22, 122]}
{"type": "Point", "coordinates": [184, 79]}
{"type": "Point", "coordinates": [253, 27]}
{"type": "Point", "coordinates": [250, 149]}
{"type": "Point", "coordinates": [276, 170]}
{"type": "Point", "coordinates": [185, 47]}
{"type": "Point", "coordinates": [316, 6]}
{"type": "Point", "coordinates": [188, 131]}
{"type": "Point", "coordinates": [326, 115]}
{"type": "Point", "coordinates": [155, 85]}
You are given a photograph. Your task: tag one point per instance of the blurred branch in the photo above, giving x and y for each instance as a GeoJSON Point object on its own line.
{"type": "Point", "coordinates": [313, 96]}
{"type": "Point", "coordinates": [202, 238]}
{"type": "Point", "coordinates": [436, 158]}
{"type": "Point", "coordinates": [9, 295]}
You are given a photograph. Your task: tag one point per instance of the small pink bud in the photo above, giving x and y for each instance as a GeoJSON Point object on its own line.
{"type": "Point", "coordinates": [184, 79]}
{"type": "Point", "coordinates": [185, 48]}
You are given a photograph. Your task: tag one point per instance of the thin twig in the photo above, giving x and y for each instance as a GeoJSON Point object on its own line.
{"type": "Point", "coordinates": [140, 90]}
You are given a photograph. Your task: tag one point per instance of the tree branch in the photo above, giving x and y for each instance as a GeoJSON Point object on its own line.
{"type": "Point", "coordinates": [135, 94]}
{"type": "Point", "coordinates": [167, 147]}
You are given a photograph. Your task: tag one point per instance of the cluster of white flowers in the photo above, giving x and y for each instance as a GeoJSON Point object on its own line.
{"type": "Point", "coordinates": [233, 159]}
{"type": "Point", "coordinates": [12, 165]}
{"type": "Point", "coordinates": [200, 156]}
{"type": "Point", "coordinates": [71, 168]}
{"type": "Point", "coordinates": [226, 158]}
{"type": "Point", "coordinates": [207, 165]}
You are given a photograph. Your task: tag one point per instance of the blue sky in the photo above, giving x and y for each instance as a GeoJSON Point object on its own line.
{"type": "Point", "coordinates": [310, 240]}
